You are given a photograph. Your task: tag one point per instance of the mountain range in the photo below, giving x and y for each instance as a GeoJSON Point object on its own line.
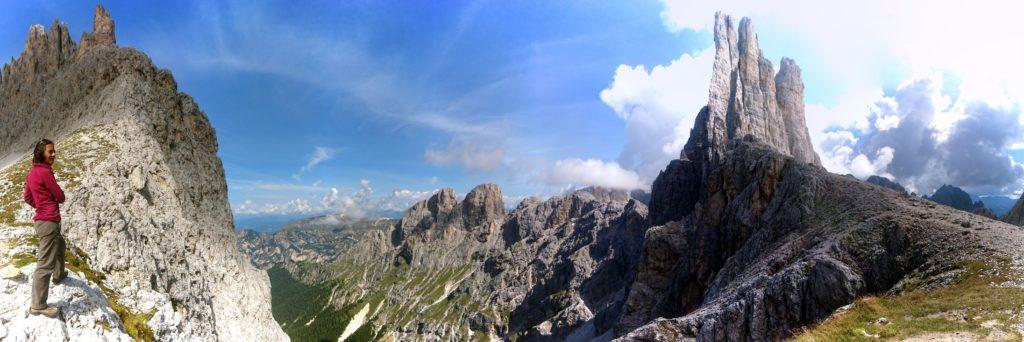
{"type": "Point", "coordinates": [744, 237]}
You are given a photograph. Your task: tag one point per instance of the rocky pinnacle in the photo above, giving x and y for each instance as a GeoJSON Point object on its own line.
{"type": "Point", "coordinates": [746, 97]}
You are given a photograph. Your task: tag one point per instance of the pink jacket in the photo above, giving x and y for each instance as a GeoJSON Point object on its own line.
{"type": "Point", "coordinates": [43, 193]}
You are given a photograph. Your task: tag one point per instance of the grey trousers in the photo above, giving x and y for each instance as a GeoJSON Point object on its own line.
{"type": "Point", "coordinates": [51, 261]}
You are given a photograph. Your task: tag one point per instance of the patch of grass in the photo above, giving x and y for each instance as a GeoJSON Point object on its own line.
{"type": "Point", "coordinates": [22, 259]}
{"type": "Point", "coordinates": [972, 299]}
{"type": "Point", "coordinates": [136, 324]}
{"type": "Point", "coordinates": [294, 304]}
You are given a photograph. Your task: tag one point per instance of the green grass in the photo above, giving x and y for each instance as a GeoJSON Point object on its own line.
{"type": "Point", "coordinates": [918, 312]}
{"type": "Point", "coordinates": [403, 295]}
{"type": "Point", "coordinates": [294, 303]}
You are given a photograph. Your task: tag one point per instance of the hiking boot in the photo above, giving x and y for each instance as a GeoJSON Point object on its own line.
{"type": "Point", "coordinates": [59, 279]}
{"type": "Point", "coordinates": [49, 311]}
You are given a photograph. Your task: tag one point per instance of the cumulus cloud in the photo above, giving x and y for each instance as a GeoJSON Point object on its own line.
{"type": "Point", "coordinates": [360, 203]}
{"type": "Point", "coordinates": [658, 107]}
{"type": "Point", "coordinates": [933, 140]}
{"type": "Point", "coordinates": [320, 155]}
{"type": "Point", "coordinates": [593, 172]}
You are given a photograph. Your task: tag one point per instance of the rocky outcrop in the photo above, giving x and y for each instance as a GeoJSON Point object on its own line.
{"type": "Point", "coordinates": [567, 264]}
{"type": "Point", "coordinates": [886, 183]}
{"type": "Point", "coordinates": [779, 244]}
{"type": "Point", "coordinates": [955, 197]}
{"type": "Point", "coordinates": [747, 97]}
{"type": "Point", "coordinates": [147, 199]}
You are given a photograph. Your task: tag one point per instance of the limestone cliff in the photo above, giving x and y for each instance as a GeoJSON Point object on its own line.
{"type": "Point", "coordinates": [746, 97]}
{"type": "Point", "coordinates": [147, 200]}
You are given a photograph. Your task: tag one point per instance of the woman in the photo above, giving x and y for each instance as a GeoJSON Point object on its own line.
{"type": "Point", "coordinates": [43, 194]}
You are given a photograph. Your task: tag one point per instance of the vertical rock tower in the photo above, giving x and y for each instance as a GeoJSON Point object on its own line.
{"type": "Point", "coordinates": [147, 200]}
{"type": "Point", "coordinates": [747, 97]}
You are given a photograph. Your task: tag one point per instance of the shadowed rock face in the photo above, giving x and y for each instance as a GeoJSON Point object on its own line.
{"type": "Point", "coordinates": [778, 244]}
{"type": "Point", "coordinates": [1015, 215]}
{"type": "Point", "coordinates": [747, 97]}
{"type": "Point", "coordinates": [954, 197]}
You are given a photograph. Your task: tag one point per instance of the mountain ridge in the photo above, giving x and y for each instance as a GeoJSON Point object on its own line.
{"type": "Point", "coordinates": [147, 208]}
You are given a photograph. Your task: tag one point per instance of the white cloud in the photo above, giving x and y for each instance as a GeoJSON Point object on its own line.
{"type": "Point", "coordinates": [658, 108]}
{"type": "Point", "coordinates": [886, 123]}
{"type": "Point", "coordinates": [360, 203]}
{"type": "Point", "coordinates": [593, 172]}
{"type": "Point", "coordinates": [320, 155]}
{"type": "Point", "coordinates": [475, 155]}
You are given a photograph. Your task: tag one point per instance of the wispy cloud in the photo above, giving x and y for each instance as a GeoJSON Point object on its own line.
{"type": "Point", "coordinates": [320, 155]}
{"type": "Point", "coordinates": [473, 155]}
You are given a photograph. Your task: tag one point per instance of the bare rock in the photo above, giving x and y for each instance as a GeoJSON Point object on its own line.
{"type": "Point", "coordinates": [146, 195]}
{"type": "Point", "coordinates": [746, 98]}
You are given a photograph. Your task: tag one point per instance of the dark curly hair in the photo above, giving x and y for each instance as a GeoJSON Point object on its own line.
{"type": "Point", "coordinates": [39, 153]}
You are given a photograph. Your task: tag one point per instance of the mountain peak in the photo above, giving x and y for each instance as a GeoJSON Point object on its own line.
{"type": "Point", "coordinates": [102, 31]}
{"type": "Point", "coordinates": [745, 97]}
{"type": "Point", "coordinates": [483, 204]}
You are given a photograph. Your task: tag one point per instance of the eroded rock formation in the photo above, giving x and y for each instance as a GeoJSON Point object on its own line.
{"type": "Point", "coordinates": [747, 97]}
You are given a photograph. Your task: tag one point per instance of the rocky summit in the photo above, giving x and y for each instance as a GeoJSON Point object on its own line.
{"type": "Point", "coordinates": [152, 246]}
{"type": "Point", "coordinates": [747, 96]}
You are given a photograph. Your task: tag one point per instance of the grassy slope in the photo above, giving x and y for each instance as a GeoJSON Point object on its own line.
{"type": "Point", "coordinates": [404, 297]}
{"type": "Point", "coordinates": [979, 302]}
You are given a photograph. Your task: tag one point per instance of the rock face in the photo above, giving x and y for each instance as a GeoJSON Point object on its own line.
{"type": "Point", "coordinates": [147, 199]}
{"type": "Point", "coordinates": [886, 183]}
{"type": "Point", "coordinates": [747, 97]}
{"type": "Point", "coordinates": [779, 244]}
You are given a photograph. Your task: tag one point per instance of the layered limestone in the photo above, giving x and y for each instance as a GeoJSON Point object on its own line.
{"type": "Point", "coordinates": [747, 97]}
{"type": "Point", "coordinates": [147, 200]}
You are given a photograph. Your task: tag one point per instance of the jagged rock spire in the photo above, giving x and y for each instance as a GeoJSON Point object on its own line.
{"type": "Point", "coordinates": [46, 52]}
{"type": "Point", "coordinates": [746, 97]}
{"type": "Point", "coordinates": [102, 31]}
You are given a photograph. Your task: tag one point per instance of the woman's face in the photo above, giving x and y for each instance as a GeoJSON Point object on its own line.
{"type": "Point", "coordinates": [50, 153]}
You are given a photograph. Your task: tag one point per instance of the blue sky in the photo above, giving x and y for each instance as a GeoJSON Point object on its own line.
{"type": "Point", "coordinates": [369, 105]}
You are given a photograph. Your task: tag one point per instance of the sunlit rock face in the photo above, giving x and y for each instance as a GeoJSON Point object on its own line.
{"type": "Point", "coordinates": [147, 199]}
